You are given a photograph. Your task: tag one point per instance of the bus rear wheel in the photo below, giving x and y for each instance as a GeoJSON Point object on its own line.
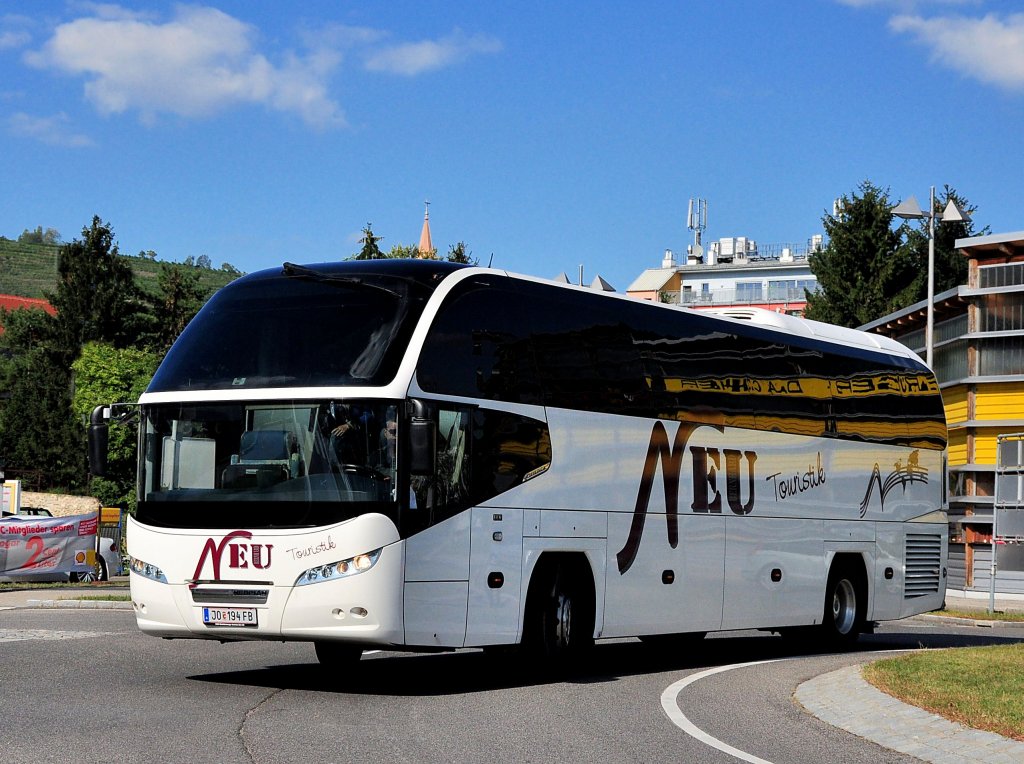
{"type": "Point", "coordinates": [337, 654]}
{"type": "Point", "coordinates": [843, 619]}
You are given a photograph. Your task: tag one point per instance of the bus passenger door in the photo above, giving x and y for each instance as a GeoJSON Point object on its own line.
{"type": "Point", "coordinates": [437, 557]}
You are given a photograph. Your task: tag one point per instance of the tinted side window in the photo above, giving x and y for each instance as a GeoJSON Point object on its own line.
{"type": "Point", "coordinates": [507, 448]}
{"type": "Point", "coordinates": [585, 353]}
{"type": "Point", "coordinates": [437, 497]}
{"type": "Point", "coordinates": [478, 346]}
{"type": "Point", "coordinates": [479, 454]}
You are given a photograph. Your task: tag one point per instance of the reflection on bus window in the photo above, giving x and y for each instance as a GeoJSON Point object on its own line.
{"type": "Point", "coordinates": [329, 451]}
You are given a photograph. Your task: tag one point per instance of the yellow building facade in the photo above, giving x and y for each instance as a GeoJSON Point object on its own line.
{"type": "Point", "coordinates": [978, 354]}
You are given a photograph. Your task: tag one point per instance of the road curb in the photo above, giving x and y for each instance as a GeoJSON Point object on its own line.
{"type": "Point", "coordinates": [79, 604]}
{"type": "Point", "coordinates": [844, 699]}
{"type": "Point", "coordinates": [983, 623]}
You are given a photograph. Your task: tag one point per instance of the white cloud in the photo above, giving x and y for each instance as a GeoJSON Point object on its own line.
{"type": "Point", "coordinates": [53, 131]}
{"type": "Point", "coordinates": [413, 58]}
{"type": "Point", "coordinates": [13, 39]}
{"type": "Point", "coordinates": [201, 62]}
{"type": "Point", "coordinates": [14, 31]}
{"type": "Point", "coordinates": [990, 49]}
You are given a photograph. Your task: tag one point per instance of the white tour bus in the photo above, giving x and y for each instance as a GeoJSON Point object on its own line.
{"type": "Point", "coordinates": [419, 455]}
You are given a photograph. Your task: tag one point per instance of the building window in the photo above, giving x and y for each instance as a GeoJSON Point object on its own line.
{"type": "Point", "coordinates": [749, 291]}
{"type": "Point", "coordinates": [1001, 312]}
{"type": "Point", "coordinates": [791, 290]}
{"type": "Point", "coordinates": [1011, 274]}
{"type": "Point", "coordinates": [1000, 356]}
{"type": "Point", "coordinates": [950, 361]}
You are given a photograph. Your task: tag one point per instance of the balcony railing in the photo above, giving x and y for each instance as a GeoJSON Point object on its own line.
{"type": "Point", "coordinates": [776, 295]}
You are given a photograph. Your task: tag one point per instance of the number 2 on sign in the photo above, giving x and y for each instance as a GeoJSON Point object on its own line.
{"type": "Point", "coordinates": [35, 546]}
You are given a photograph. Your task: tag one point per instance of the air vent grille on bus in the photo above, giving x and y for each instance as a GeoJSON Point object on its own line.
{"type": "Point", "coordinates": [924, 564]}
{"type": "Point", "coordinates": [230, 596]}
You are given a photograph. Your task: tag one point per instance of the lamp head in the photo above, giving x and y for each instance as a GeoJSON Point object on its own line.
{"type": "Point", "coordinates": [908, 210]}
{"type": "Point", "coordinates": [953, 213]}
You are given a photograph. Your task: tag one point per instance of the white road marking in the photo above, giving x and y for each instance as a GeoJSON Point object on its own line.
{"type": "Point", "coordinates": [669, 703]}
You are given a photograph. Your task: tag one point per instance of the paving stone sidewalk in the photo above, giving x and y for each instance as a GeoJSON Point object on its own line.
{"type": "Point", "coordinates": [844, 699]}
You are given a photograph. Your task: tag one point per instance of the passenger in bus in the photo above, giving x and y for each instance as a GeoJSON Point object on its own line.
{"type": "Point", "coordinates": [347, 444]}
{"type": "Point", "coordinates": [387, 442]}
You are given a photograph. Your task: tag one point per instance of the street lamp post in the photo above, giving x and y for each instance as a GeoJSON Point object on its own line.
{"type": "Point", "coordinates": [911, 210]}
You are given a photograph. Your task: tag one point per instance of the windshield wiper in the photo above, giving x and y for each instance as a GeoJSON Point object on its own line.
{"type": "Point", "coordinates": [291, 270]}
{"type": "Point", "coordinates": [301, 271]}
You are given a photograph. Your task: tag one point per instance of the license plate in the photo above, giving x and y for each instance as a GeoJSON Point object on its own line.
{"type": "Point", "coordinates": [229, 616]}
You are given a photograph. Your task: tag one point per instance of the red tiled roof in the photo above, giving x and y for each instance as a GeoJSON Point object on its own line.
{"type": "Point", "coordinates": [12, 302]}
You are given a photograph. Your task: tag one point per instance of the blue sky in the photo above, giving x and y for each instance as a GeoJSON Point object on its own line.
{"type": "Point", "coordinates": [546, 135]}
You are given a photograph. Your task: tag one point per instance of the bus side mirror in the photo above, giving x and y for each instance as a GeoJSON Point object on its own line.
{"type": "Point", "coordinates": [422, 446]}
{"type": "Point", "coordinates": [422, 438]}
{"type": "Point", "coordinates": [98, 440]}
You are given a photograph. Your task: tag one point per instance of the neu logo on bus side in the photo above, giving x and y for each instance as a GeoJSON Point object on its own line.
{"type": "Point", "coordinates": [240, 554]}
{"type": "Point", "coordinates": [706, 463]}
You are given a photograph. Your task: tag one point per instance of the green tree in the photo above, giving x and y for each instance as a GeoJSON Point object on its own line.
{"type": "Point", "coordinates": [31, 237]}
{"type": "Point", "coordinates": [179, 298]}
{"type": "Point", "coordinates": [96, 297]}
{"type": "Point", "coordinates": [864, 271]}
{"type": "Point", "coordinates": [370, 250]}
{"type": "Point", "coordinates": [105, 374]}
{"type": "Point", "coordinates": [39, 437]}
{"type": "Point", "coordinates": [457, 253]}
{"type": "Point", "coordinates": [403, 252]}
{"type": "Point", "coordinates": [95, 300]}
{"type": "Point", "coordinates": [39, 236]}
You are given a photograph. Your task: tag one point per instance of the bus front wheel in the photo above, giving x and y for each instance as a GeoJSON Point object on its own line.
{"type": "Point", "coordinates": [336, 654]}
{"type": "Point", "coordinates": [562, 615]}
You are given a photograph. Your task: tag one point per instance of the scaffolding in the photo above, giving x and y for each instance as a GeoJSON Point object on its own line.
{"type": "Point", "coordinates": [1008, 510]}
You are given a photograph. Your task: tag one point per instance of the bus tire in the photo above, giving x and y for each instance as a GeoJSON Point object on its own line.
{"type": "Point", "coordinates": [335, 655]}
{"type": "Point", "coordinates": [845, 604]}
{"type": "Point", "coordinates": [561, 615]}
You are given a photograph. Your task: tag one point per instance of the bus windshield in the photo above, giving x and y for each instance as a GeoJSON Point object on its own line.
{"type": "Point", "coordinates": [305, 462]}
{"type": "Point", "coordinates": [294, 331]}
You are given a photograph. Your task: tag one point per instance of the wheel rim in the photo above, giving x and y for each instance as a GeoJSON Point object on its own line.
{"type": "Point", "coordinates": [563, 620]}
{"type": "Point", "coordinates": [844, 606]}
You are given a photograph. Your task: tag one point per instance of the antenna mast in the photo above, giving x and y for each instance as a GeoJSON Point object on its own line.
{"type": "Point", "coordinates": [697, 221]}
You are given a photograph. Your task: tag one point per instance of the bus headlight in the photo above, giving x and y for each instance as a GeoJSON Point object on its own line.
{"type": "Point", "coordinates": [144, 569]}
{"type": "Point", "coordinates": [341, 569]}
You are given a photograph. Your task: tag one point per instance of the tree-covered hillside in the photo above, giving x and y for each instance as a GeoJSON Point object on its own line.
{"type": "Point", "coordinates": [29, 269]}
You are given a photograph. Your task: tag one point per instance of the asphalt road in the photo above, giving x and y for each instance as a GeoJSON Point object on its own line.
{"type": "Point", "coordinates": [85, 686]}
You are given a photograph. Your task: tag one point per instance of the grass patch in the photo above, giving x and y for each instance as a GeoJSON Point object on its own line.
{"type": "Point", "coordinates": [980, 687]}
{"type": "Point", "coordinates": [102, 597]}
{"type": "Point", "coordinates": [981, 615]}
{"type": "Point", "coordinates": [21, 586]}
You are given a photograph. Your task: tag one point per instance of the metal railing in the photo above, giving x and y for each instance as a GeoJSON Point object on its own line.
{"type": "Point", "coordinates": [734, 296]}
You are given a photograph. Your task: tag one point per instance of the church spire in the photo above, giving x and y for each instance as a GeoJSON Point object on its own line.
{"type": "Point", "coordinates": [426, 248]}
